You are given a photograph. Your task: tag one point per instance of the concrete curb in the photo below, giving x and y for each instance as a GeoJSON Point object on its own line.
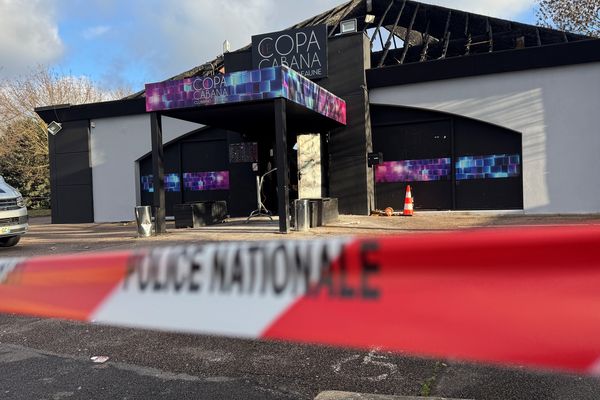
{"type": "Point", "coordinates": [337, 395]}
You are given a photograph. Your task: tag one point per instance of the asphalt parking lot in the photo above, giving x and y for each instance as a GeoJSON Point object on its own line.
{"type": "Point", "coordinates": [45, 238]}
{"type": "Point", "coordinates": [51, 359]}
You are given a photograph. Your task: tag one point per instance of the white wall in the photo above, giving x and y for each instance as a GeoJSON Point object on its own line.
{"type": "Point", "coordinates": [116, 143]}
{"type": "Point", "coordinates": [557, 110]}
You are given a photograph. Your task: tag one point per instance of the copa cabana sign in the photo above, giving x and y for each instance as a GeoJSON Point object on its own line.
{"type": "Point", "coordinates": [303, 50]}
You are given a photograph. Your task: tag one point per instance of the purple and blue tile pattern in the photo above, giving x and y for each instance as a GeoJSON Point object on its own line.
{"type": "Point", "coordinates": [192, 181]}
{"type": "Point", "coordinates": [437, 169]}
{"type": "Point", "coordinates": [241, 86]}
{"type": "Point", "coordinates": [172, 183]}
{"type": "Point", "coordinates": [300, 90]}
{"type": "Point", "coordinates": [492, 166]}
{"type": "Point", "coordinates": [214, 180]}
{"type": "Point", "coordinates": [229, 88]}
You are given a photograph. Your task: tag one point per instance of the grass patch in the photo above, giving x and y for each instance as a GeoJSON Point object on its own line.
{"type": "Point", "coordinates": [42, 212]}
{"type": "Point", "coordinates": [427, 385]}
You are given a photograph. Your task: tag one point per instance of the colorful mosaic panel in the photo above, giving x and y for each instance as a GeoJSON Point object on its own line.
{"type": "Point", "coordinates": [488, 167]}
{"type": "Point", "coordinates": [437, 169]}
{"type": "Point", "coordinates": [172, 183]}
{"type": "Point", "coordinates": [214, 180]}
{"type": "Point", "coordinates": [312, 96]}
{"type": "Point", "coordinates": [236, 87]}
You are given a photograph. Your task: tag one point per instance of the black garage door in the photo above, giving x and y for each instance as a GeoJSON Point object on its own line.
{"type": "Point", "coordinates": [450, 162]}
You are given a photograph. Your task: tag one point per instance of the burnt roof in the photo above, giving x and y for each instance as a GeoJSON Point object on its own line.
{"type": "Point", "coordinates": [404, 32]}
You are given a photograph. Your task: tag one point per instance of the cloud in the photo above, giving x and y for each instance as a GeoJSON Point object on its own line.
{"type": "Point", "coordinates": [28, 36]}
{"type": "Point", "coordinates": [193, 32]}
{"type": "Point", "coordinates": [152, 40]}
{"type": "Point", "coordinates": [95, 31]}
{"type": "Point", "coordinates": [494, 8]}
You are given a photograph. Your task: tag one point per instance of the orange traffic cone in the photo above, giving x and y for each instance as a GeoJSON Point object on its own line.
{"type": "Point", "coordinates": [408, 203]}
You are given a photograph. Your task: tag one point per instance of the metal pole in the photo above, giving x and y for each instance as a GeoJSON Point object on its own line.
{"type": "Point", "coordinates": [158, 172]}
{"type": "Point", "coordinates": [283, 171]}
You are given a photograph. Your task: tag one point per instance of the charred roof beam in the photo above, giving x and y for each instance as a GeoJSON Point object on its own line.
{"type": "Point", "coordinates": [423, 55]}
{"type": "Point", "coordinates": [378, 29]}
{"type": "Point", "coordinates": [407, 35]}
{"type": "Point", "coordinates": [389, 41]}
{"type": "Point", "coordinates": [447, 34]}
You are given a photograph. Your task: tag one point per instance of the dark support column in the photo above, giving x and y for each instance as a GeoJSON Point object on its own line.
{"type": "Point", "coordinates": [158, 172]}
{"type": "Point", "coordinates": [283, 171]}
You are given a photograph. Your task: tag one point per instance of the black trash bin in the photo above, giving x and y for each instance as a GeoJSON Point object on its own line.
{"type": "Point", "coordinates": [322, 211]}
{"type": "Point", "coordinates": [194, 215]}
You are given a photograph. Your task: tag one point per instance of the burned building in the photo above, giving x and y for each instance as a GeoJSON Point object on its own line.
{"type": "Point", "coordinates": [474, 112]}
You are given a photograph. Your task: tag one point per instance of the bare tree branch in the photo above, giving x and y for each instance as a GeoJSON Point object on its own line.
{"type": "Point", "coordinates": [578, 16]}
{"type": "Point", "coordinates": [23, 137]}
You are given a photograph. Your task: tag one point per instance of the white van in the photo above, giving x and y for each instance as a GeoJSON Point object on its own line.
{"type": "Point", "coordinates": [13, 215]}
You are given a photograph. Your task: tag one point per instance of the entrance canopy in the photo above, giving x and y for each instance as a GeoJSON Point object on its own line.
{"type": "Point", "coordinates": [242, 101]}
{"type": "Point", "coordinates": [275, 99]}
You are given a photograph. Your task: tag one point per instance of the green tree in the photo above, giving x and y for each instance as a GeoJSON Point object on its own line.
{"type": "Point", "coordinates": [579, 16]}
{"type": "Point", "coordinates": [23, 134]}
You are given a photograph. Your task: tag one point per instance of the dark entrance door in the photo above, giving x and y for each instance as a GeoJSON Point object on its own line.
{"type": "Point", "coordinates": [451, 162]}
{"type": "Point", "coordinates": [488, 167]}
{"type": "Point", "coordinates": [415, 154]}
{"type": "Point", "coordinates": [205, 170]}
{"type": "Point", "coordinates": [207, 164]}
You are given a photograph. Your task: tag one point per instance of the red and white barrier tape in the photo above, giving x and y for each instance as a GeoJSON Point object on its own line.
{"type": "Point", "coordinates": [510, 296]}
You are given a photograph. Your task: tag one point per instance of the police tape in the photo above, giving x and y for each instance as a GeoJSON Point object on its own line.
{"type": "Point", "coordinates": [526, 297]}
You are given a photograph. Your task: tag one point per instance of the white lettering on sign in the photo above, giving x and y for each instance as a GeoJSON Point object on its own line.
{"type": "Point", "coordinates": [209, 87]}
{"type": "Point", "coordinates": [302, 50]}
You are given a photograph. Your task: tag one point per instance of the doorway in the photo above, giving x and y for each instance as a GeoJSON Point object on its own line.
{"type": "Point", "coordinates": [450, 162]}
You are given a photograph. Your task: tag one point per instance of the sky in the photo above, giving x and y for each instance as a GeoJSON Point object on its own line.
{"type": "Point", "coordinates": [126, 43]}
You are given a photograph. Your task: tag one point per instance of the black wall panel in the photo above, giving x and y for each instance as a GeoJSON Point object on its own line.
{"type": "Point", "coordinates": [489, 194]}
{"type": "Point", "coordinates": [417, 140]}
{"type": "Point", "coordinates": [71, 174]}
{"type": "Point", "coordinates": [240, 60]}
{"type": "Point", "coordinates": [71, 205]}
{"type": "Point", "coordinates": [73, 137]}
{"type": "Point", "coordinates": [73, 169]}
{"type": "Point", "coordinates": [349, 177]}
{"type": "Point", "coordinates": [474, 137]}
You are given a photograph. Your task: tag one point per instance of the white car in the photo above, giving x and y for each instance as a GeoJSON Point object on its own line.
{"type": "Point", "coordinates": [13, 215]}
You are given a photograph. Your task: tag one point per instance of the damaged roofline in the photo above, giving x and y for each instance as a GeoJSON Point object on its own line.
{"type": "Point", "coordinates": [557, 55]}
